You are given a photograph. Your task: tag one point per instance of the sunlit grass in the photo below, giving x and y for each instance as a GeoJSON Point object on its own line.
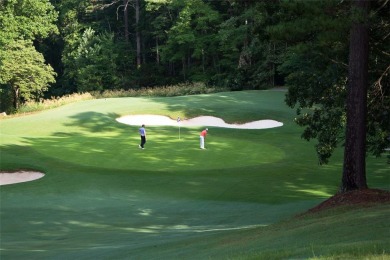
{"type": "Point", "coordinates": [118, 149]}
{"type": "Point", "coordinates": [103, 197]}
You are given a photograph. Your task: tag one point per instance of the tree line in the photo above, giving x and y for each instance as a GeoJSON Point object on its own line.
{"type": "Point", "coordinates": [97, 45]}
{"type": "Point", "coordinates": [56, 47]}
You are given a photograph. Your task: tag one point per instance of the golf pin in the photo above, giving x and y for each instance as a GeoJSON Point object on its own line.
{"type": "Point", "coordinates": [178, 122]}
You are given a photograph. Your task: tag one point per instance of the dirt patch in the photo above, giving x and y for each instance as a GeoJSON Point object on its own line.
{"type": "Point", "coordinates": [361, 198]}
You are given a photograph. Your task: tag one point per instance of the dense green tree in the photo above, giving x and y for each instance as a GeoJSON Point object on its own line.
{"type": "Point", "coordinates": [70, 25]}
{"type": "Point", "coordinates": [92, 64]}
{"type": "Point", "coordinates": [191, 39]}
{"type": "Point", "coordinates": [23, 71]}
{"type": "Point", "coordinates": [378, 103]}
{"type": "Point", "coordinates": [159, 13]}
{"type": "Point", "coordinates": [180, 40]}
{"type": "Point", "coordinates": [316, 66]}
{"type": "Point", "coordinates": [114, 17]}
{"type": "Point", "coordinates": [249, 56]}
{"type": "Point", "coordinates": [28, 20]}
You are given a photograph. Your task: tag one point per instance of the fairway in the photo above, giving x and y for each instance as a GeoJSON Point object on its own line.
{"type": "Point", "coordinates": [103, 197]}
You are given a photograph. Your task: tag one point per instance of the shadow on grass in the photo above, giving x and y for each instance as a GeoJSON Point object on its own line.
{"type": "Point", "coordinates": [102, 196]}
{"type": "Point", "coordinates": [172, 167]}
{"type": "Point", "coordinates": [94, 122]}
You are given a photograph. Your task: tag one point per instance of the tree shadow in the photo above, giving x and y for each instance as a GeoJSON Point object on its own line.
{"type": "Point", "coordinates": [97, 197]}
{"type": "Point", "coordinates": [89, 202]}
{"type": "Point", "coordinates": [93, 122]}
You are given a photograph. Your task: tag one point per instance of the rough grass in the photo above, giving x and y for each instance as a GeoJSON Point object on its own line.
{"type": "Point", "coordinates": [183, 89]}
{"type": "Point", "coordinates": [102, 197]}
{"type": "Point", "coordinates": [53, 102]}
{"type": "Point", "coordinates": [342, 233]}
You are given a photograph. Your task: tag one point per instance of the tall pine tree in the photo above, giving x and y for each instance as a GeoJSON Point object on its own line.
{"type": "Point", "coordinates": [354, 168]}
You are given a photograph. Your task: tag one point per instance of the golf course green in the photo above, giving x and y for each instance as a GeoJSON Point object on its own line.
{"type": "Point", "coordinates": [104, 198]}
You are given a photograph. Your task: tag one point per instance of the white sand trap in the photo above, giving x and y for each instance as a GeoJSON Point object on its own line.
{"type": "Point", "coordinates": [17, 177]}
{"type": "Point", "coordinates": [155, 120]}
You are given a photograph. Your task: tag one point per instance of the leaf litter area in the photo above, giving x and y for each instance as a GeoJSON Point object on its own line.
{"type": "Point", "coordinates": [359, 198]}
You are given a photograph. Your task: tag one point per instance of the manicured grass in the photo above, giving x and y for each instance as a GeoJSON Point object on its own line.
{"type": "Point", "coordinates": [102, 197]}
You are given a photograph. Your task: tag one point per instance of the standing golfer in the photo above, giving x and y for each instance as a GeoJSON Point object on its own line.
{"type": "Point", "coordinates": [202, 137]}
{"type": "Point", "coordinates": [142, 133]}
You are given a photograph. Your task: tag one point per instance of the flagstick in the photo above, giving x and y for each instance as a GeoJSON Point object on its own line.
{"type": "Point", "coordinates": [178, 122]}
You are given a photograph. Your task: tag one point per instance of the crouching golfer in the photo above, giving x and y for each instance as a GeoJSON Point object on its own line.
{"type": "Point", "coordinates": [142, 133]}
{"type": "Point", "coordinates": [202, 137]}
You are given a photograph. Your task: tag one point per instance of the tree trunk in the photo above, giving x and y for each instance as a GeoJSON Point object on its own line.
{"type": "Point", "coordinates": [16, 98]}
{"type": "Point", "coordinates": [126, 20]}
{"type": "Point", "coordinates": [138, 34]}
{"type": "Point", "coordinates": [157, 52]}
{"type": "Point", "coordinates": [273, 66]}
{"type": "Point", "coordinates": [203, 62]}
{"type": "Point", "coordinates": [354, 168]}
{"type": "Point", "coordinates": [184, 67]}
{"type": "Point", "coordinates": [143, 47]}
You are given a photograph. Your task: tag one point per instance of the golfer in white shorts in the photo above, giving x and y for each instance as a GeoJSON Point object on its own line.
{"type": "Point", "coordinates": [202, 137]}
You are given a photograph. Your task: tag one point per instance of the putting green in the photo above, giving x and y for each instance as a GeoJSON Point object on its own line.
{"type": "Point", "coordinates": [163, 151]}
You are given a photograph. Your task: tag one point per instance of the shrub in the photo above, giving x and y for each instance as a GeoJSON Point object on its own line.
{"type": "Point", "coordinates": [32, 106]}
{"type": "Point", "coordinates": [182, 89]}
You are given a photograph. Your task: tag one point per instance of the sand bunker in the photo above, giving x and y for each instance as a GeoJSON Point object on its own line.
{"type": "Point", "coordinates": [206, 121]}
{"type": "Point", "coordinates": [17, 177]}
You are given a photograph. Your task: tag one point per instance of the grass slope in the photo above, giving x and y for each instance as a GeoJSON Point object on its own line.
{"type": "Point", "coordinates": [102, 197]}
